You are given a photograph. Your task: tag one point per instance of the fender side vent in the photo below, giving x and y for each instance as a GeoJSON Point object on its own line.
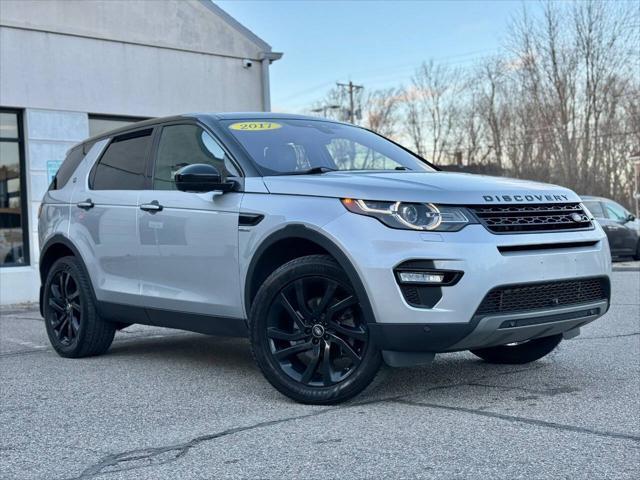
{"type": "Point", "coordinates": [249, 219]}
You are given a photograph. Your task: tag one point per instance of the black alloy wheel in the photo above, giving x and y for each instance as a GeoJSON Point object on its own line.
{"type": "Point", "coordinates": [315, 331]}
{"type": "Point", "coordinates": [66, 307]}
{"type": "Point", "coordinates": [309, 333]}
{"type": "Point", "coordinates": [71, 318]}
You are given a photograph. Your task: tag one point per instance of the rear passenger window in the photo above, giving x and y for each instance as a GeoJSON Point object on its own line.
{"type": "Point", "coordinates": [68, 167]}
{"type": "Point", "coordinates": [122, 166]}
{"type": "Point", "coordinates": [182, 145]}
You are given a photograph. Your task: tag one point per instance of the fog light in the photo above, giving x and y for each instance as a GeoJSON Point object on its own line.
{"type": "Point", "coordinates": [421, 277]}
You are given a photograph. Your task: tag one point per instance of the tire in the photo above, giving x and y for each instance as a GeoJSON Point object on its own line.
{"type": "Point", "coordinates": [521, 353]}
{"type": "Point", "coordinates": [637, 255]}
{"type": "Point", "coordinates": [309, 335]}
{"type": "Point", "coordinates": [73, 325]}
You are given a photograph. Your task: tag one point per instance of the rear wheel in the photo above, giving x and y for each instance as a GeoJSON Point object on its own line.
{"type": "Point", "coordinates": [72, 322]}
{"type": "Point", "coordinates": [519, 353]}
{"type": "Point", "coordinates": [309, 335]}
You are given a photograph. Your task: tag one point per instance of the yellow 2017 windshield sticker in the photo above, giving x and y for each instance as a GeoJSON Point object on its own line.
{"type": "Point", "coordinates": [254, 126]}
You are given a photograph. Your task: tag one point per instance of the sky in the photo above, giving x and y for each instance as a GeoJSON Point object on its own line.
{"type": "Point", "coordinates": [377, 44]}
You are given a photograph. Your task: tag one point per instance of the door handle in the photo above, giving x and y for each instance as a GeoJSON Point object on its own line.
{"type": "Point", "coordinates": [152, 207]}
{"type": "Point", "coordinates": [86, 205]}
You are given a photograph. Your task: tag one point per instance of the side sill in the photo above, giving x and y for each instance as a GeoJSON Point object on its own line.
{"type": "Point", "coordinates": [192, 322]}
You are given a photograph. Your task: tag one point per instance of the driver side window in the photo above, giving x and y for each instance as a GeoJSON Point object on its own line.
{"type": "Point", "coordinates": [182, 145]}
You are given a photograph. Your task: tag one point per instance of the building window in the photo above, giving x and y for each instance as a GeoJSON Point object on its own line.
{"type": "Point", "coordinates": [99, 124]}
{"type": "Point", "coordinates": [14, 233]}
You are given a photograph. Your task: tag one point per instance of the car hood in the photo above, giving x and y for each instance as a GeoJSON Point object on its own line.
{"type": "Point", "coordinates": [437, 187]}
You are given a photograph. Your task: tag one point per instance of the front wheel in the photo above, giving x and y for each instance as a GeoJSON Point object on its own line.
{"type": "Point", "coordinates": [519, 353]}
{"type": "Point", "coordinates": [309, 335]}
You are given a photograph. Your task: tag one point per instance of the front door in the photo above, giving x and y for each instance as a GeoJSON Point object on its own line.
{"type": "Point", "coordinates": [189, 241]}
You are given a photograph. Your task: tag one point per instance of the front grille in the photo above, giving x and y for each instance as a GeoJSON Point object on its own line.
{"type": "Point", "coordinates": [538, 296]}
{"type": "Point", "coordinates": [548, 217]}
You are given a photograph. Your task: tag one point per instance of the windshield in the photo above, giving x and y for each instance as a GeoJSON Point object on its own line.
{"type": "Point", "coordinates": [283, 146]}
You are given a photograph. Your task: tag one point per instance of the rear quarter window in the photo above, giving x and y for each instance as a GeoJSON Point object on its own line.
{"type": "Point", "coordinates": [67, 169]}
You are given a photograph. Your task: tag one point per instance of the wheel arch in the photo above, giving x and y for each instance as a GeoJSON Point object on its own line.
{"type": "Point", "coordinates": [56, 247]}
{"type": "Point", "coordinates": [273, 252]}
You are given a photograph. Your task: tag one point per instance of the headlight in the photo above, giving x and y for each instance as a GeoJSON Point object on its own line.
{"type": "Point", "coordinates": [414, 216]}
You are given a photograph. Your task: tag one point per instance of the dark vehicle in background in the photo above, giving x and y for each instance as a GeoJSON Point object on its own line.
{"type": "Point", "coordinates": [620, 225]}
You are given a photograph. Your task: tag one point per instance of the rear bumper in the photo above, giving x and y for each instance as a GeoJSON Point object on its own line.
{"type": "Point", "coordinates": [485, 331]}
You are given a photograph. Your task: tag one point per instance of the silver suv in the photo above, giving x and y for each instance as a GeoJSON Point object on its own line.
{"type": "Point", "coordinates": [331, 247]}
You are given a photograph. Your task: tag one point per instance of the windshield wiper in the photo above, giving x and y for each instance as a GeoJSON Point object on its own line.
{"type": "Point", "coordinates": [311, 171]}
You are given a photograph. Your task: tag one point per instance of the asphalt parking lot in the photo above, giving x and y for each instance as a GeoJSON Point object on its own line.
{"type": "Point", "coordinates": [164, 404]}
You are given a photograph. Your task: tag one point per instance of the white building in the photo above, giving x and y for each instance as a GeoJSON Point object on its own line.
{"type": "Point", "coordinates": [74, 68]}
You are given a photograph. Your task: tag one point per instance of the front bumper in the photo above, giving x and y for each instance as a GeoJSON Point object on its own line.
{"type": "Point", "coordinates": [451, 323]}
{"type": "Point", "coordinates": [482, 332]}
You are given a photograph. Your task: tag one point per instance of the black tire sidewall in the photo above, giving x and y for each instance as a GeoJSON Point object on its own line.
{"type": "Point", "coordinates": [315, 265]}
{"type": "Point", "coordinates": [87, 307]}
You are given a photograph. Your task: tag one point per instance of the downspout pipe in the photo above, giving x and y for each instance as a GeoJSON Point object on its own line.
{"type": "Point", "coordinates": [266, 58]}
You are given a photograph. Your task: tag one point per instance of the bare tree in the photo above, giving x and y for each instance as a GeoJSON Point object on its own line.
{"type": "Point", "coordinates": [561, 104]}
{"type": "Point", "coordinates": [381, 109]}
{"type": "Point", "coordinates": [433, 102]}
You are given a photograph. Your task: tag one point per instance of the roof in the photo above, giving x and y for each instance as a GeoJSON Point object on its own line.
{"type": "Point", "coordinates": [203, 115]}
{"type": "Point", "coordinates": [593, 198]}
{"type": "Point", "coordinates": [197, 26]}
{"type": "Point", "coordinates": [236, 25]}
{"type": "Point", "coordinates": [261, 115]}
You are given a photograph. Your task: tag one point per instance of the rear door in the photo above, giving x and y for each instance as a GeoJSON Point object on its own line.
{"type": "Point", "coordinates": [189, 241]}
{"type": "Point", "coordinates": [104, 215]}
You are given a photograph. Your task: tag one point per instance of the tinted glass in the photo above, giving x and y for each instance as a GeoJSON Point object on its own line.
{"type": "Point", "coordinates": [595, 208]}
{"type": "Point", "coordinates": [122, 166]}
{"type": "Point", "coordinates": [290, 146]}
{"type": "Point", "coordinates": [74, 157]}
{"type": "Point", "coordinates": [182, 145]}
{"type": "Point", "coordinates": [13, 247]}
{"type": "Point", "coordinates": [616, 212]}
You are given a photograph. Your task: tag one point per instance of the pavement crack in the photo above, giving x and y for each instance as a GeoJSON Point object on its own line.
{"type": "Point", "coordinates": [524, 420]}
{"type": "Point", "coordinates": [24, 352]}
{"type": "Point", "coordinates": [140, 458]}
{"type": "Point", "coordinates": [550, 392]}
{"type": "Point", "coordinates": [608, 336]}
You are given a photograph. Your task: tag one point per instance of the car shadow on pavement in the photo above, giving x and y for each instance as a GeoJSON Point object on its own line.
{"type": "Point", "coordinates": [232, 357]}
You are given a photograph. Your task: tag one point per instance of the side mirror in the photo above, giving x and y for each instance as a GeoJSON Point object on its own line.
{"type": "Point", "coordinates": [201, 177]}
{"type": "Point", "coordinates": [631, 217]}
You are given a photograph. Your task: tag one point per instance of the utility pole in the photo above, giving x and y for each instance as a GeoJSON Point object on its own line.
{"type": "Point", "coordinates": [351, 88]}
